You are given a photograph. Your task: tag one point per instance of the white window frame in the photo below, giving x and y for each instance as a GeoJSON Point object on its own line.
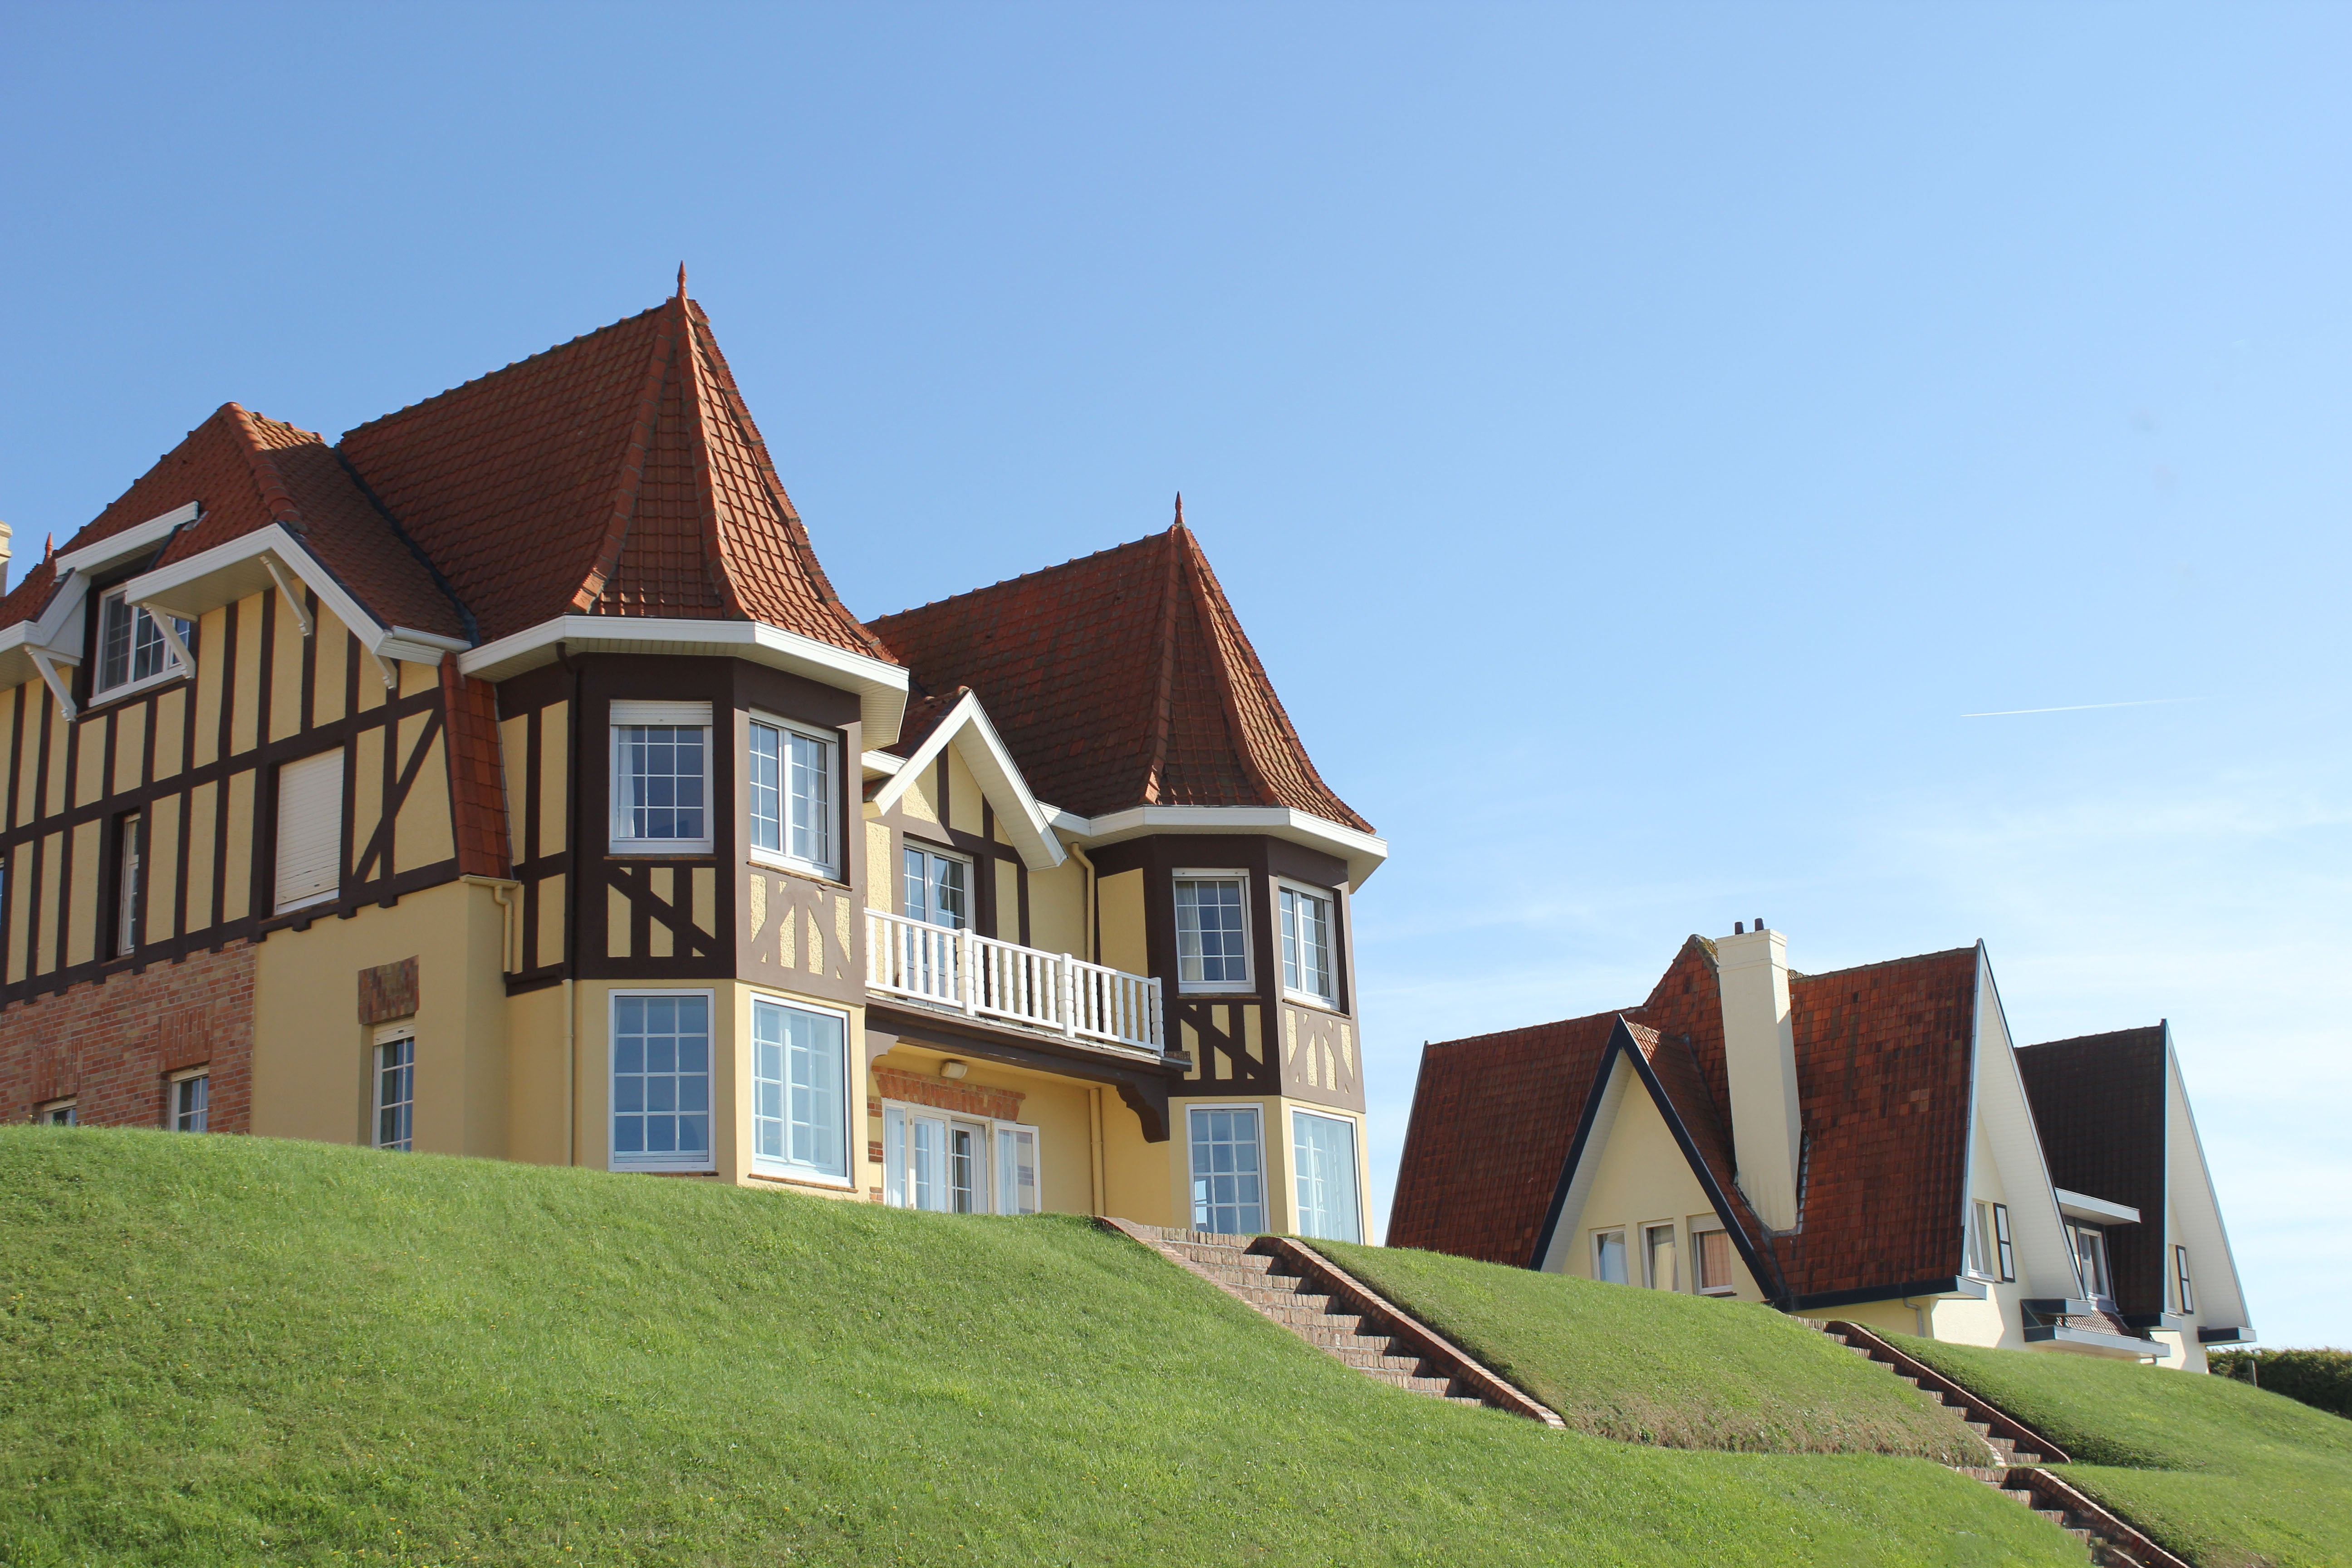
{"type": "Point", "coordinates": [1283, 942]}
{"type": "Point", "coordinates": [898, 1157]}
{"type": "Point", "coordinates": [1600, 1239]}
{"type": "Point", "coordinates": [130, 850]}
{"type": "Point", "coordinates": [46, 1114]}
{"type": "Point", "coordinates": [172, 1099]}
{"type": "Point", "coordinates": [1248, 981]}
{"type": "Point", "coordinates": [1649, 1229]}
{"type": "Point", "coordinates": [1981, 1253]}
{"type": "Point", "coordinates": [783, 1167]}
{"type": "Point", "coordinates": [782, 858]}
{"type": "Point", "coordinates": [2184, 1285]}
{"type": "Point", "coordinates": [614, 1159]}
{"type": "Point", "coordinates": [1698, 1233]}
{"type": "Point", "coordinates": [911, 845]}
{"type": "Point", "coordinates": [631, 713]}
{"type": "Point", "coordinates": [1264, 1176]}
{"type": "Point", "coordinates": [1298, 1168]}
{"type": "Point", "coordinates": [173, 666]}
{"type": "Point", "coordinates": [390, 1034]}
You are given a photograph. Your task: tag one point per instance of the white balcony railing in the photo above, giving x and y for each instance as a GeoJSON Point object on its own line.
{"type": "Point", "coordinates": [982, 977]}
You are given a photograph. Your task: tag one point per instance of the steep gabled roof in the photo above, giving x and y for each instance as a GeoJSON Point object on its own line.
{"type": "Point", "coordinates": [618, 474]}
{"type": "Point", "coordinates": [246, 472]}
{"type": "Point", "coordinates": [1121, 678]}
{"type": "Point", "coordinates": [2098, 1104]}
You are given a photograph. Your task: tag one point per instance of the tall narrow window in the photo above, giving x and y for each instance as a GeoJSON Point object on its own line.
{"type": "Point", "coordinates": [1016, 1169]}
{"type": "Point", "coordinates": [1211, 941]}
{"type": "Point", "coordinates": [798, 1111]}
{"type": "Point", "coordinates": [1306, 944]}
{"type": "Point", "coordinates": [310, 830]}
{"type": "Point", "coordinates": [1711, 1262]}
{"type": "Point", "coordinates": [935, 890]}
{"type": "Point", "coordinates": [2187, 1293]}
{"type": "Point", "coordinates": [129, 839]}
{"type": "Point", "coordinates": [130, 649]}
{"type": "Point", "coordinates": [1609, 1256]}
{"type": "Point", "coordinates": [1323, 1150]}
{"type": "Point", "coordinates": [661, 777]}
{"type": "Point", "coordinates": [1228, 1182]}
{"type": "Point", "coordinates": [1981, 1258]}
{"type": "Point", "coordinates": [189, 1099]}
{"type": "Point", "coordinates": [2003, 1253]}
{"type": "Point", "coordinates": [661, 1081]}
{"type": "Point", "coordinates": [791, 778]}
{"type": "Point", "coordinates": [396, 1092]}
{"type": "Point", "coordinates": [1658, 1257]}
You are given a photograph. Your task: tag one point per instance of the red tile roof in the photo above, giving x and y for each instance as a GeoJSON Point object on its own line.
{"type": "Point", "coordinates": [618, 474]}
{"type": "Point", "coordinates": [1883, 1078]}
{"type": "Point", "coordinates": [1121, 678]}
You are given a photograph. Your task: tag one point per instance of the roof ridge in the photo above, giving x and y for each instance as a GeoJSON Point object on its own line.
{"type": "Point", "coordinates": [1207, 601]}
{"type": "Point", "coordinates": [689, 361]}
{"type": "Point", "coordinates": [1147, 540]}
{"type": "Point", "coordinates": [1884, 963]}
{"type": "Point", "coordinates": [403, 411]}
{"type": "Point", "coordinates": [1163, 684]}
{"type": "Point", "coordinates": [607, 559]}
{"type": "Point", "coordinates": [275, 496]}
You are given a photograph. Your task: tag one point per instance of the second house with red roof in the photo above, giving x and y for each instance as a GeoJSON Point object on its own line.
{"type": "Point", "coordinates": [506, 779]}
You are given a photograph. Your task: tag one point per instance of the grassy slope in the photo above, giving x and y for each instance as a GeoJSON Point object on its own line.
{"type": "Point", "coordinates": [1656, 1367]}
{"type": "Point", "coordinates": [208, 1342]}
{"type": "Point", "coordinates": [2221, 1473]}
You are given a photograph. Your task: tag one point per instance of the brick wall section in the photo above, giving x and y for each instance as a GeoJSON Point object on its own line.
{"type": "Point", "coordinates": [964, 1100]}
{"type": "Point", "coordinates": [477, 782]}
{"type": "Point", "coordinates": [388, 992]}
{"type": "Point", "coordinates": [111, 1045]}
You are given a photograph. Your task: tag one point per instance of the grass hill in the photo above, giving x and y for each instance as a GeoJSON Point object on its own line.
{"type": "Point", "coordinates": [1656, 1367]}
{"type": "Point", "coordinates": [2223, 1474]}
{"type": "Point", "coordinates": [227, 1350]}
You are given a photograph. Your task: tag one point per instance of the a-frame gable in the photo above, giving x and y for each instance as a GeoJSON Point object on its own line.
{"type": "Point", "coordinates": [965, 726]}
{"type": "Point", "coordinates": [2194, 1214]}
{"type": "Point", "coordinates": [1999, 1109]}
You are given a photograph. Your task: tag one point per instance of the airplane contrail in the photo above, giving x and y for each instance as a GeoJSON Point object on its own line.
{"type": "Point", "coordinates": [2079, 707]}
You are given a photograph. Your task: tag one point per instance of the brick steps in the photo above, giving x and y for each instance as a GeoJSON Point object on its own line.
{"type": "Point", "coordinates": [1289, 1284]}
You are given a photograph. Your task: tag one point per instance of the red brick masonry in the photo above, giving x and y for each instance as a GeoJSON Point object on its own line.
{"type": "Point", "coordinates": [111, 1046]}
{"type": "Point", "coordinates": [970, 1100]}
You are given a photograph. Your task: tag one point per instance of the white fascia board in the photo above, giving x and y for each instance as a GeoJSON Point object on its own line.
{"type": "Point", "coordinates": [881, 687]}
{"type": "Point", "coordinates": [966, 727]}
{"type": "Point", "coordinates": [2195, 1206]}
{"type": "Point", "coordinates": [2095, 1211]}
{"type": "Point", "coordinates": [129, 541]}
{"type": "Point", "coordinates": [1362, 851]}
{"type": "Point", "coordinates": [37, 647]}
{"type": "Point", "coordinates": [2045, 1262]}
{"type": "Point", "coordinates": [884, 765]}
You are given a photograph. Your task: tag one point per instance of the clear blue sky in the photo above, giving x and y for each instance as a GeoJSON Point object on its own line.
{"type": "Point", "coordinates": [1635, 437]}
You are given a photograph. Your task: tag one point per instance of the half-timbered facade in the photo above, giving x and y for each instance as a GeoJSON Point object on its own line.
{"type": "Point", "coordinates": [506, 778]}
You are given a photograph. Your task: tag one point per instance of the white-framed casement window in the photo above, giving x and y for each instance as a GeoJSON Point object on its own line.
{"type": "Point", "coordinates": [2090, 1244]}
{"type": "Point", "coordinates": [1306, 943]}
{"type": "Point", "coordinates": [132, 651]}
{"type": "Point", "coordinates": [59, 1113]}
{"type": "Point", "coordinates": [1609, 1256]}
{"type": "Point", "coordinates": [661, 778]}
{"type": "Point", "coordinates": [1658, 1257]}
{"type": "Point", "coordinates": [937, 888]}
{"type": "Point", "coordinates": [1989, 1254]}
{"type": "Point", "coordinates": [187, 1097]}
{"type": "Point", "coordinates": [1711, 1267]}
{"type": "Point", "coordinates": [789, 779]}
{"type": "Point", "coordinates": [1212, 930]}
{"type": "Point", "coordinates": [395, 1087]}
{"type": "Point", "coordinates": [2184, 1292]}
{"type": "Point", "coordinates": [129, 840]}
{"type": "Point", "coordinates": [310, 830]}
{"type": "Point", "coordinates": [661, 1080]}
{"type": "Point", "coordinates": [1228, 1169]}
{"type": "Point", "coordinates": [1323, 1161]}
{"type": "Point", "coordinates": [800, 1108]}
{"type": "Point", "coordinates": [950, 1163]}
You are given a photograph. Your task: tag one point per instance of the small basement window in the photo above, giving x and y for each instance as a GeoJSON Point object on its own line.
{"type": "Point", "coordinates": [1711, 1262]}
{"type": "Point", "coordinates": [187, 1100]}
{"type": "Point", "coordinates": [1658, 1257]}
{"type": "Point", "coordinates": [59, 1113]}
{"type": "Point", "coordinates": [1609, 1256]}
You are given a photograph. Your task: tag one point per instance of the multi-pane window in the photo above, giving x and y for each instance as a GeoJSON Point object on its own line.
{"type": "Point", "coordinates": [1306, 943]}
{"type": "Point", "coordinates": [1323, 1151]}
{"type": "Point", "coordinates": [791, 780]}
{"type": "Point", "coordinates": [396, 1092]}
{"type": "Point", "coordinates": [1228, 1180]}
{"type": "Point", "coordinates": [1989, 1250]}
{"type": "Point", "coordinates": [934, 1160]}
{"type": "Point", "coordinates": [1711, 1262]}
{"type": "Point", "coordinates": [661, 1080]}
{"type": "Point", "coordinates": [1609, 1257]}
{"type": "Point", "coordinates": [1016, 1169]}
{"type": "Point", "coordinates": [130, 647]}
{"type": "Point", "coordinates": [1211, 932]}
{"type": "Point", "coordinates": [186, 1098]}
{"type": "Point", "coordinates": [129, 839]}
{"type": "Point", "coordinates": [661, 776]}
{"type": "Point", "coordinates": [798, 1109]}
{"type": "Point", "coordinates": [2185, 1293]}
{"type": "Point", "coordinates": [59, 1113]}
{"type": "Point", "coordinates": [936, 889]}
{"type": "Point", "coordinates": [2004, 1256]}
{"type": "Point", "coordinates": [1658, 1257]}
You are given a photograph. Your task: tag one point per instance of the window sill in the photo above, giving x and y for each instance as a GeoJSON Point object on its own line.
{"type": "Point", "coordinates": [1217, 988]}
{"type": "Point", "coordinates": [1718, 1291]}
{"type": "Point", "coordinates": [660, 849]}
{"type": "Point", "coordinates": [1309, 999]}
{"type": "Point", "coordinates": [798, 1179]}
{"type": "Point", "coordinates": [128, 689]}
{"type": "Point", "coordinates": [771, 860]}
{"type": "Point", "coordinates": [655, 1168]}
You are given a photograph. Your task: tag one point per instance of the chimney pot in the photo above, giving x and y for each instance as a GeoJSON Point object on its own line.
{"type": "Point", "coordinates": [1737, 929]}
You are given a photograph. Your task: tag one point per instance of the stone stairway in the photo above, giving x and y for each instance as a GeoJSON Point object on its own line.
{"type": "Point", "coordinates": [2019, 1452]}
{"type": "Point", "coordinates": [1298, 1287]}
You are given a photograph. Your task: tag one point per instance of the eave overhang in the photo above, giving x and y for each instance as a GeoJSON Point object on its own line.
{"type": "Point", "coordinates": [1363, 852]}
{"type": "Point", "coordinates": [2095, 1211]}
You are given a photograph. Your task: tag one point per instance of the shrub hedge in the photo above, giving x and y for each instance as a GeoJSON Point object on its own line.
{"type": "Point", "coordinates": [2320, 1378]}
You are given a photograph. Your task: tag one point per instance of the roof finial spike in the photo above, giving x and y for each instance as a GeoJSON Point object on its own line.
{"type": "Point", "coordinates": [681, 280]}
{"type": "Point", "coordinates": [49, 547]}
{"type": "Point", "coordinates": [1180, 510]}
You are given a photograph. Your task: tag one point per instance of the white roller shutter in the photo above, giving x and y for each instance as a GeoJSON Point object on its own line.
{"type": "Point", "coordinates": [310, 829]}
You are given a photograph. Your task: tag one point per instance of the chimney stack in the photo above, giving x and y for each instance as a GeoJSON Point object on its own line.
{"type": "Point", "coordinates": [1759, 1056]}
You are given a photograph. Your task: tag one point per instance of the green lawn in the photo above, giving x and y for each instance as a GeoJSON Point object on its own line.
{"type": "Point", "coordinates": [2219, 1472]}
{"type": "Point", "coordinates": [220, 1349]}
{"type": "Point", "coordinates": [1652, 1366]}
